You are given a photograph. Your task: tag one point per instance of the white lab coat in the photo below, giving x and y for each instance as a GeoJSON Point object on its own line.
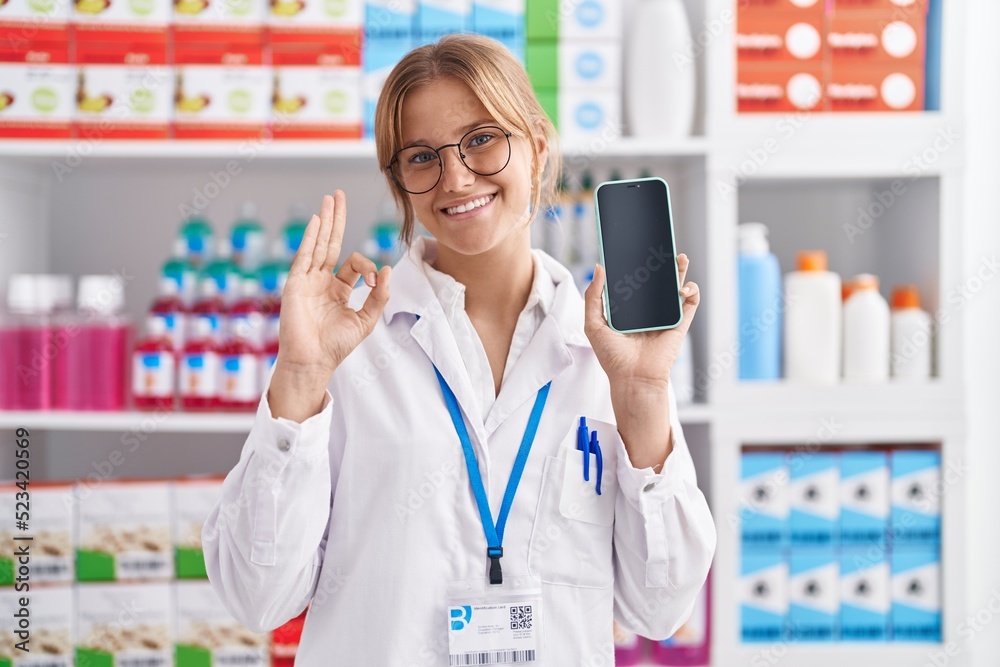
{"type": "Point", "coordinates": [366, 512]}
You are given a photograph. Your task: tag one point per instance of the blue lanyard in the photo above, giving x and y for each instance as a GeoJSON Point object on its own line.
{"type": "Point", "coordinates": [494, 534]}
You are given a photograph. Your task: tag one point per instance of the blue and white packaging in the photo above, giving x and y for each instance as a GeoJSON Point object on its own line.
{"type": "Point", "coordinates": [763, 499]}
{"type": "Point", "coordinates": [864, 497]}
{"type": "Point", "coordinates": [590, 64]}
{"type": "Point", "coordinates": [587, 114]}
{"type": "Point", "coordinates": [601, 19]}
{"type": "Point", "coordinates": [441, 17]}
{"type": "Point", "coordinates": [916, 497]}
{"type": "Point", "coordinates": [814, 485]}
{"type": "Point", "coordinates": [763, 595]}
{"type": "Point", "coordinates": [500, 19]}
{"type": "Point", "coordinates": [390, 19]}
{"type": "Point", "coordinates": [916, 594]}
{"type": "Point", "coordinates": [814, 594]}
{"type": "Point", "coordinates": [379, 56]}
{"type": "Point", "coordinates": [864, 594]}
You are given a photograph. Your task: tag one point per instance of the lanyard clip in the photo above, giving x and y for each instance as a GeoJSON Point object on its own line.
{"type": "Point", "coordinates": [496, 574]}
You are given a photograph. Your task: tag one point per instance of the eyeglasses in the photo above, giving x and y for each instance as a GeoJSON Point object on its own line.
{"type": "Point", "coordinates": [484, 151]}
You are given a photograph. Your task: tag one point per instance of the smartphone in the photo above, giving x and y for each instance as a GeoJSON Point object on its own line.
{"type": "Point", "coordinates": [636, 239]}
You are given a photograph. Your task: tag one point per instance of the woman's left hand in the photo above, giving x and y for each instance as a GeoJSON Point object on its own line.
{"type": "Point", "coordinates": [643, 358]}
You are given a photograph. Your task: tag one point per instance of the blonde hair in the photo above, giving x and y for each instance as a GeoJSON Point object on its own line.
{"type": "Point", "coordinates": [500, 83]}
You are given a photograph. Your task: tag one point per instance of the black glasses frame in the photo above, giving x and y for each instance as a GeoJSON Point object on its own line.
{"type": "Point", "coordinates": [440, 160]}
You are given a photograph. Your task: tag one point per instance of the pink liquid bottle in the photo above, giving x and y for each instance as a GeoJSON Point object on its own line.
{"type": "Point", "coordinates": [245, 315]}
{"type": "Point", "coordinates": [26, 351]}
{"type": "Point", "coordinates": [199, 369]}
{"type": "Point", "coordinates": [98, 355]}
{"type": "Point", "coordinates": [169, 308]}
{"type": "Point", "coordinates": [154, 368]}
{"type": "Point", "coordinates": [241, 354]}
{"type": "Point", "coordinates": [690, 644]}
{"type": "Point", "coordinates": [65, 327]}
{"type": "Point", "coordinates": [208, 312]}
{"type": "Point", "coordinates": [629, 648]}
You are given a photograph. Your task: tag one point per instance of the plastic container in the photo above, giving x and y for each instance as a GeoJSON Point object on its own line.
{"type": "Point", "coordinates": [223, 271]}
{"type": "Point", "coordinates": [179, 269]}
{"type": "Point", "coordinates": [170, 310]}
{"type": "Point", "coordinates": [64, 327]}
{"type": "Point", "coordinates": [208, 312]}
{"type": "Point", "coordinates": [813, 321]}
{"type": "Point", "coordinates": [99, 354]}
{"type": "Point", "coordinates": [245, 316]}
{"type": "Point", "coordinates": [26, 350]}
{"type": "Point", "coordinates": [866, 332]}
{"type": "Point", "coordinates": [659, 89]}
{"type": "Point", "coordinates": [760, 305]}
{"type": "Point", "coordinates": [196, 235]}
{"type": "Point", "coordinates": [154, 368]}
{"type": "Point", "coordinates": [630, 649]}
{"type": "Point", "coordinates": [690, 644]}
{"type": "Point", "coordinates": [240, 374]}
{"type": "Point", "coordinates": [248, 240]}
{"type": "Point", "coordinates": [199, 369]}
{"type": "Point", "coordinates": [912, 336]}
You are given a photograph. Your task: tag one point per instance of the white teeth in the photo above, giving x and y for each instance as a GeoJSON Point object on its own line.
{"type": "Point", "coordinates": [475, 203]}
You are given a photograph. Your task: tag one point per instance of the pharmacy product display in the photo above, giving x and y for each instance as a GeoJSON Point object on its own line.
{"type": "Point", "coordinates": [866, 332]}
{"type": "Point", "coordinates": [911, 336]}
{"type": "Point", "coordinates": [760, 305]}
{"type": "Point", "coordinates": [841, 546]}
{"type": "Point", "coordinates": [813, 321]}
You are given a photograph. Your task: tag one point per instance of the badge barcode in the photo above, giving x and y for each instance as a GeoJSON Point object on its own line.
{"type": "Point", "coordinates": [151, 661]}
{"type": "Point", "coordinates": [491, 658]}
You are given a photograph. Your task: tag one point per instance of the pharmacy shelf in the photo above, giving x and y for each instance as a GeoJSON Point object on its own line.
{"type": "Point", "coordinates": [189, 422]}
{"type": "Point", "coordinates": [826, 655]}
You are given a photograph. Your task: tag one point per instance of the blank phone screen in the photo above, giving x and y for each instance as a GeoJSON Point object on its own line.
{"type": "Point", "coordinates": [638, 248]}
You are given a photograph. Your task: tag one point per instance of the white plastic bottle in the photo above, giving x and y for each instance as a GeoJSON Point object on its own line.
{"type": "Point", "coordinates": [812, 321]}
{"type": "Point", "coordinates": [912, 338]}
{"type": "Point", "coordinates": [659, 74]}
{"type": "Point", "coordinates": [866, 332]}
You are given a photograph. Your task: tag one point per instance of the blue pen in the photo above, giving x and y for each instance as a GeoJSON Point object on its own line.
{"type": "Point", "coordinates": [595, 447]}
{"type": "Point", "coordinates": [582, 444]}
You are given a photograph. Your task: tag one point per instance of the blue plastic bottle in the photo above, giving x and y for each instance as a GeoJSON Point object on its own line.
{"type": "Point", "coordinates": [760, 307]}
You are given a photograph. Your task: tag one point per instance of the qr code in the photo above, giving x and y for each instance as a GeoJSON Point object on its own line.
{"type": "Point", "coordinates": [520, 617]}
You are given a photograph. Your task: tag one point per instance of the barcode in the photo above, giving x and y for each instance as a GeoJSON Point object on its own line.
{"type": "Point", "coordinates": [239, 660]}
{"type": "Point", "coordinates": [143, 565]}
{"type": "Point", "coordinates": [53, 569]}
{"type": "Point", "coordinates": [520, 617]}
{"type": "Point", "coordinates": [151, 661]}
{"type": "Point", "coordinates": [57, 663]}
{"type": "Point", "coordinates": [491, 658]}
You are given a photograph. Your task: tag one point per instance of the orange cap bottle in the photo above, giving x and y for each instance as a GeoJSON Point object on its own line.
{"type": "Point", "coordinates": [811, 260]}
{"type": "Point", "coordinates": [905, 296]}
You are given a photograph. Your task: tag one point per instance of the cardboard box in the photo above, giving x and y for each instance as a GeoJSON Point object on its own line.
{"type": "Point", "coordinates": [899, 7]}
{"type": "Point", "coordinates": [36, 101]}
{"type": "Point", "coordinates": [864, 594]}
{"type": "Point", "coordinates": [802, 7]}
{"type": "Point", "coordinates": [916, 594]}
{"type": "Point", "coordinates": [863, 37]}
{"type": "Point", "coordinates": [208, 635]}
{"type": "Point", "coordinates": [119, 102]}
{"type": "Point", "coordinates": [217, 32]}
{"type": "Point", "coordinates": [193, 499]}
{"type": "Point", "coordinates": [316, 33]}
{"type": "Point", "coordinates": [127, 33]}
{"type": "Point", "coordinates": [916, 497]}
{"type": "Point", "coordinates": [219, 102]}
{"type": "Point", "coordinates": [587, 114]}
{"type": "Point", "coordinates": [124, 624]}
{"type": "Point", "coordinates": [814, 485]}
{"type": "Point", "coordinates": [390, 19]}
{"type": "Point", "coordinates": [317, 102]}
{"type": "Point", "coordinates": [777, 36]}
{"type": "Point", "coordinates": [499, 18]}
{"type": "Point", "coordinates": [814, 595]}
{"type": "Point", "coordinates": [864, 497]}
{"type": "Point", "coordinates": [50, 525]}
{"type": "Point", "coordinates": [49, 639]}
{"type": "Point", "coordinates": [435, 18]}
{"type": "Point", "coordinates": [380, 56]}
{"type": "Point", "coordinates": [28, 25]}
{"type": "Point", "coordinates": [763, 595]}
{"type": "Point", "coordinates": [773, 87]}
{"type": "Point", "coordinates": [573, 19]}
{"type": "Point", "coordinates": [764, 499]}
{"type": "Point", "coordinates": [875, 87]}
{"type": "Point", "coordinates": [123, 531]}
{"type": "Point", "coordinates": [574, 64]}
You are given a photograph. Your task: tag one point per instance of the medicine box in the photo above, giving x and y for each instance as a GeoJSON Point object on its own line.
{"type": "Point", "coordinates": [814, 486]}
{"type": "Point", "coordinates": [764, 501]}
{"type": "Point", "coordinates": [574, 19]}
{"type": "Point", "coordinates": [814, 594]}
{"type": "Point", "coordinates": [208, 635]}
{"type": "Point", "coordinates": [916, 594]}
{"type": "Point", "coordinates": [390, 19]}
{"type": "Point", "coordinates": [50, 525]}
{"type": "Point", "coordinates": [193, 500]}
{"type": "Point", "coordinates": [221, 102]}
{"type": "Point", "coordinates": [916, 497]}
{"type": "Point", "coordinates": [779, 36]}
{"type": "Point", "coordinates": [864, 497]}
{"type": "Point", "coordinates": [379, 57]}
{"type": "Point", "coordinates": [763, 595]}
{"type": "Point", "coordinates": [780, 87]}
{"type": "Point", "coordinates": [117, 101]}
{"type": "Point", "coordinates": [312, 102]}
{"type": "Point", "coordinates": [48, 638]}
{"type": "Point", "coordinates": [877, 86]}
{"type": "Point", "coordinates": [499, 18]}
{"type": "Point", "coordinates": [435, 18]}
{"type": "Point", "coordinates": [574, 64]}
{"type": "Point", "coordinates": [124, 624]}
{"type": "Point", "coordinates": [864, 594]}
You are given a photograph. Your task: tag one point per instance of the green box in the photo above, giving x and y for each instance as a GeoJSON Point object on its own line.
{"type": "Point", "coordinates": [542, 19]}
{"type": "Point", "coordinates": [190, 563]}
{"type": "Point", "coordinates": [542, 62]}
{"type": "Point", "coordinates": [549, 99]}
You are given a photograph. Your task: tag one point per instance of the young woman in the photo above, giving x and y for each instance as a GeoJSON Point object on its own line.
{"type": "Point", "coordinates": [413, 468]}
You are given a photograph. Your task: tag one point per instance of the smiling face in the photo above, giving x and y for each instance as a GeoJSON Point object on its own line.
{"type": "Point", "coordinates": [468, 213]}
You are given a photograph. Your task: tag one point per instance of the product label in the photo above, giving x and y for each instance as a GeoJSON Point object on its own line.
{"type": "Point", "coordinates": [153, 374]}
{"type": "Point", "coordinates": [125, 97]}
{"type": "Point", "coordinates": [52, 555]}
{"type": "Point", "coordinates": [36, 99]}
{"type": "Point", "coordinates": [200, 375]}
{"type": "Point", "coordinates": [240, 375]}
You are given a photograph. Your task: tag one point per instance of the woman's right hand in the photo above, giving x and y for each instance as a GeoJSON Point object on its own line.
{"type": "Point", "coordinates": [318, 329]}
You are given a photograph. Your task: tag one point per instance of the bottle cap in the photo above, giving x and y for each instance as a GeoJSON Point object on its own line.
{"type": "Point", "coordinates": [102, 294]}
{"type": "Point", "coordinates": [753, 238]}
{"type": "Point", "coordinates": [202, 328]}
{"type": "Point", "coordinates": [905, 296]}
{"type": "Point", "coordinates": [249, 284]}
{"type": "Point", "coordinates": [180, 248]}
{"type": "Point", "coordinates": [223, 248]}
{"type": "Point", "coordinates": [811, 260]}
{"type": "Point", "coordinates": [169, 286]}
{"type": "Point", "coordinates": [208, 286]}
{"type": "Point", "coordinates": [46, 293]}
{"type": "Point", "coordinates": [22, 293]}
{"type": "Point", "coordinates": [846, 289]}
{"type": "Point", "coordinates": [864, 281]}
{"type": "Point", "coordinates": [156, 327]}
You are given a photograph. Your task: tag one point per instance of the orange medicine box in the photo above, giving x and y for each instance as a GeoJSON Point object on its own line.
{"type": "Point", "coordinates": [771, 87]}
{"type": "Point", "coordinates": [37, 88]}
{"type": "Point", "coordinates": [864, 36]}
{"type": "Point", "coordinates": [801, 7]}
{"type": "Point", "coordinates": [899, 8]}
{"type": "Point", "coordinates": [779, 36]}
{"type": "Point", "coordinates": [218, 32]}
{"type": "Point", "coordinates": [875, 86]}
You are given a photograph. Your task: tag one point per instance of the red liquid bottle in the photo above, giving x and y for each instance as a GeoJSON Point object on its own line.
{"type": "Point", "coordinates": [245, 317]}
{"type": "Point", "coordinates": [26, 350]}
{"type": "Point", "coordinates": [154, 369]}
{"type": "Point", "coordinates": [208, 312]}
{"type": "Point", "coordinates": [690, 644]}
{"type": "Point", "coordinates": [99, 353]}
{"type": "Point", "coordinates": [169, 308]}
{"type": "Point", "coordinates": [65, 326]}
{"type": "Point", "coordinates": [199, 369]}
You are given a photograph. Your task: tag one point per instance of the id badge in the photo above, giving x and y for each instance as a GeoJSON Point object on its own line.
{"type": "Point", "coordinates": [495, 625]}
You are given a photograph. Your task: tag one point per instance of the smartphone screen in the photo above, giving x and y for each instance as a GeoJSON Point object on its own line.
{"type": "Point", "coordinates": [637, 243]}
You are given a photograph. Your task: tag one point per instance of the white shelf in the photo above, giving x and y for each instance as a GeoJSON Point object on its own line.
{"type": "Point", "coordinates": [189, 422]}
{"type": "Point", "coordinates": [832, 654]}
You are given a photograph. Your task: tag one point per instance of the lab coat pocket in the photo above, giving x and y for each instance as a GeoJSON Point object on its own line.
{"type": "Point", "coordinates": [572, 535]}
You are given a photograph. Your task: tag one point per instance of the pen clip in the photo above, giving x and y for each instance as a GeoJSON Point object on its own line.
{"type": "Point", "coordinates": [582, 443]}
{"type": "Point", "coordinates": [595, 447]}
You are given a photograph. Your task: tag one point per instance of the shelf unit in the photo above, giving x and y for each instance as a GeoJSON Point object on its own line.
{"type": "Point", "coordinates": [119, 204]}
